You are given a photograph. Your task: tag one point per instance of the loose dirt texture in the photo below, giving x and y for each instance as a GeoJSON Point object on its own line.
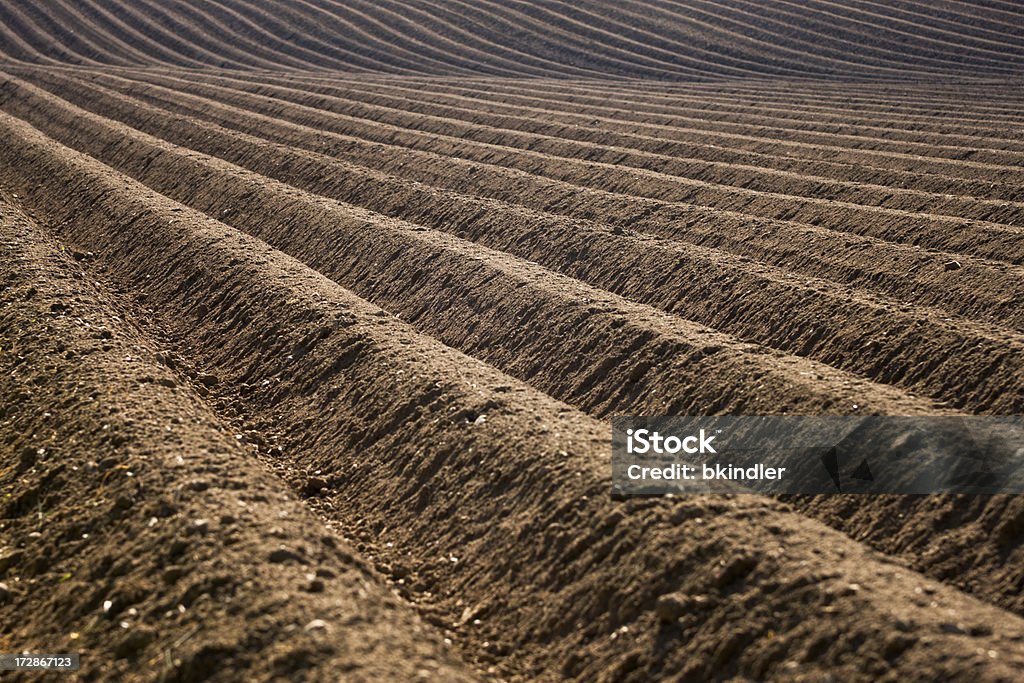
{"type": "Point", "coordinates": [313, 315]}
{"type": "Point", "coordinates": [140, 532]}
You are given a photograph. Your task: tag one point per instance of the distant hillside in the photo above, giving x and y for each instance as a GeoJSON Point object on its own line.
{"type": "Point", "coordinates": [663, 39]}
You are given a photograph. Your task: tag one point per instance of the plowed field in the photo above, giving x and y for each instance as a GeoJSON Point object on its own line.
{"type": "Point", "coordinates": [313, 314]}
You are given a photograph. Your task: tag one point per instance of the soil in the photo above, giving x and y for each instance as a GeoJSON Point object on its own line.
{"type": "Point", "coordinates": [140, 531]}
{"type": "Point", "coordinates": [309, 335]}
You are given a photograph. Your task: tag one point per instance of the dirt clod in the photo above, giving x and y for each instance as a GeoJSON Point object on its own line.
{"type": "Point", "coordinates": [671, 606]}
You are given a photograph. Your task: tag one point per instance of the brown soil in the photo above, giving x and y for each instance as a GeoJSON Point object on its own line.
{"type": "Point", "coordinates": [695, 40]}
{"type": "Point", "coordinates": [139, 531]}
{"type": "Point", "coordinates": [327, 338]}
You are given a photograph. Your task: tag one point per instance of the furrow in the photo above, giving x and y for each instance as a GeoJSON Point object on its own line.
{"type": "Point", "coordinates": [94, 37]}
{"type": "Point", "coordinates": [229, 31]}
{"type": "Point", "coordinates": [952, 41]}
{"type": "Point", "coordinates": [389, 262]}
{"type": "Point", "coordinates": [921, 98]}
{"type": "Point", "coordinates": [699, 40]}
{"type": "Point", "coordinates": [27, 31]}
{"type": "Point", "coordinates": [704, 106]}
{"type": "Point", "coordinates": [853, 333]}
{"type": "Point", "coordinates": [527, 482]}
{"type": "Point", "coordinates": [145, 524]}
{"type": "Point", "coordinates": [390, 268]}
{"type": "Point", "coordinates": [641, 103]}
{"type": "Point", "coordinates": [671, 219]}
{"type": "Point", "coordinates": [448, 43]}
{"type": "Point", "coordinates": [767, 26]}
{"type": "Point", "coordinates": [645, 151]}
{"type": "Point", "coordinates": [625, 59]}
{"type": "Point", "coordinates": [670, 47]}
{"type": "Point", "coordinates": [911, 224]}
{"type": "Point", "coordinates": [184, 39]}
{"type": "Point", "coordinates": [1008, 153]}
{"type": "Point", "coordinates": [842, 167]}
{"type": "Point", "coordinates": [501, 34]}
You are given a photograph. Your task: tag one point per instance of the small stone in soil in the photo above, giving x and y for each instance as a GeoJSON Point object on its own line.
{"type": "Point", "coordinates": [671, 606]}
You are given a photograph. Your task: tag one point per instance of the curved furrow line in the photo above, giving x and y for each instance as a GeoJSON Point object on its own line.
{"type": "Point", "coordinates": [926, 144]}
{"type": "Point", "coordinates": [225, 27]}
{"type": "Point", "coordinates": [953, 21]}
{"type": "Point", "coordinates": [853, 344]}
{"type": "Point", "coordinates": [147, 418]}
{"type": "Point", "coordinates": [541, 188]}
{"type": "Point", "coordinates": [987, 289]}
{"type": "Point", "coordinates": [988, 13]}
{"type": "Point", "coordinates": [493, 29]}
{"type": "Point", "coordinates": [766, 42]}
{"type": "Point", "coordinates": [696, 147]}
{"type": "Point", "coordinates": [544, 498]}
{"type": "Point", "coordinates": [668, 123]}
{"type": "Point", "coordinates": [353, 247]}
{"type": "Point", "coordinates": [94, 35]}
{"type": "Point", "coordinates": [372, 256]}
{"type": "Point", "coordinates": [664, 155]}
{"type": "Point", "coordinates": [959, 39]}
{"type": "Point", "coordinates": [467, 54]}
{"type": "Point", "coordinates": [227, 34]}
{"type": "Point", "coordinates": [41, 42]}
{"type": "Point", "coordinates": [269, 29]}
{"type": "Point", "coordinates": [673, 47]}
{"type": "Point", "coordinates": [890, 269]}
{"type": "Point", "coordinates": [425, 247]}
{"type": "Point", "coordinates": [987, 239]}
{"type": "Point", "coordinates": [668, 40]}
{"type": "Point", "coordinates": [886, 37]}
{"type": "Point", "coordinates": [63, 35]}
{"type": "Point", "coordinates": [735, 102]}
{"type": "Point", "coordinates": [573, 47]}
{"type": "Point", "coordinates": [16, 46]}
{"type": "Point", "coordinates": [989, 7]}
{"type": "Point", "coordinates": [618, 110]}
{"type": "Point", "coordinates": [901, 270]}
{"type": "Point", "coordinates": [446, 26]}
{"type": "Point", "coordinates": [746, 97]}
{"type": "Point", "coordinates": [653, 152]}
{"type": "Point", "coordinates": [181, 38]}
{"type": "Point", "coordinates": [726, 109]}
{"type": "Point", "coordinates": [109, 24]}
{"type": "Point", "coordinates": [762, 22]}
{"type": "Point", "coordinates": [501, 25]}
{"type": "Point", "coordinates": [586, 37]}
{"type": "Point", "coordinates": [405, 25]}
{"type": "Point", "coordinates": [855, 37]}
{"type": "Point", "coordinates": [206, 45]}
{"type": "Point", "coordinates": [959, 57]}
{"type": "Point", "coordinates": [916, 94]}
{"type": "Point", "coordinates": [375, 46]}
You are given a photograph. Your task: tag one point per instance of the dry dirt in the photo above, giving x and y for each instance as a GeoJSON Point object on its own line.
{"type": "Point", "coordinates": [312, 319]}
